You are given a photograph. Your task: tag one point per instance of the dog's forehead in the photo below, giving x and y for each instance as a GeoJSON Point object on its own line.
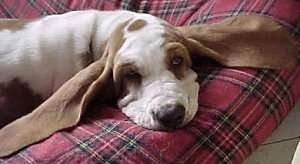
{"type": "Point", "coordinates": [144, 28]}
{"type": "Point", "coordinates": [145, 37]}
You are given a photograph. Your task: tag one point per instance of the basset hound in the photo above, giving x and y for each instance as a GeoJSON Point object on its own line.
{"type": "Point", "coordinates": [143, 62]}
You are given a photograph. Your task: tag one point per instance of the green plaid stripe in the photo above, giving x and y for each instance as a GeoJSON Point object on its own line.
{"type": "Point", "coordinates": [121, 142]}
{"type": "Point", "coordinates": [270, 99]}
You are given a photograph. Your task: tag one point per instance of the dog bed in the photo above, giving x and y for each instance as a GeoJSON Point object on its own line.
{"type": "Point", "coordinates": [238, 107]}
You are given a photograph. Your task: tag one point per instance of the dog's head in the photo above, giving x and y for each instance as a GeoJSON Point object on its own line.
{"type": "Point", "coordinates": [147, 64]}
{"type": "Point", "coordinates": [155, 84]}
{"type": "Point", "coordinates": [152, 67]}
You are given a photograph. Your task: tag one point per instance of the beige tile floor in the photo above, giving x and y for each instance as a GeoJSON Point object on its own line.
{"type": "Point", "coordinates": [281, 146]}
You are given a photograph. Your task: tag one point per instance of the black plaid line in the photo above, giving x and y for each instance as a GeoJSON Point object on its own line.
{"type": "Point", "coordinates": [194, 9]}
{"type": "Point", "coordinates": [110, 127]}
{"type": "Point", "coordinates": [205, 77]}
{"type": "Point", "coordinates": [132, 5]}
{"type": "Point", "coordinates": [87, 144]}
{"type": "Point", "coordinates": [296, 29]}
{"type": "Point", "coordinates": [43, 11]}
{"type": "Point", "coordinates": [130, 142]}
{"type": "Point", "coordinates": [178, 8]}
{"type": "Point", "coordinates": [270, 101]}
{"type": "Point", "coordinates": [5, 10]}
{"type": "Point", "coordinates": [11, 7]}
{"type": "Point", "coordinates": [106, 160]}
{"type": "Point", "coordinates": [202, 19]}
{"type": "Point", "coordinates": [173, 9]}
{"type": "Point", "coordinates": [164, 9]}
{"type": "Point", "coordinates": [209, 143]}
{"type": "Point", "coordinates": [238, 9]}
{"type": "Point", "coordinates": [255, 88]}
{"type": "Point", "coordinates": [229, 122]}
{"type": "Point", "coordinates": [205, 140]}
{"type": "Point", "coordinates": [284, 86]}
{"type": "Point", "coordinates": [59, 6]}
{"type": "Point", "coordinates": [272, 105]}
{"type": "Point", "coordinates": [226, 121]}
{"type": "Point", "coordinates": [145, 7]}
{"type": "Point", "coordinates": [283, 92]}
{"type": "Point", "coordinates": [258, 88]}
{"type": "Point", "coordinates": [266, 8]}
{"type": "Point", "coordinates": [210, 140]}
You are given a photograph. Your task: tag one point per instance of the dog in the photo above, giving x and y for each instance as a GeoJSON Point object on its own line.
{"type": "Point", "coordinates": [138, 59]}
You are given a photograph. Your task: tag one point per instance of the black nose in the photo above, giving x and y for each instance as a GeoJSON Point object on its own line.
{"type": "Point", "coordinates": [171, 115]}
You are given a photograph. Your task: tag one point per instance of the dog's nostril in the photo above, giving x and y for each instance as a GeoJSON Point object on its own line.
{"type": "Point", "coordinates": [171, 116]}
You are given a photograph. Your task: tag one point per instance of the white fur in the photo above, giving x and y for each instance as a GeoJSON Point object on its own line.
{"type": "Point", "coordinates": [44, 54]}
{"type": "Point", "coordinates": [159, 85]}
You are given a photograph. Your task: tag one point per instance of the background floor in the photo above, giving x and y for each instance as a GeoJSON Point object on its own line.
{"type": "Point", "coordinates": [280, 148]}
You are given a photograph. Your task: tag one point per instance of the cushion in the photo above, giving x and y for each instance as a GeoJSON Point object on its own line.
{"type": "Point", "coordinates": [238, 107]}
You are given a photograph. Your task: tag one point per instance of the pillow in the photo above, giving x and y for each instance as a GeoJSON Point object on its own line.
{"type": "Point", "coordinates": [238, 108]}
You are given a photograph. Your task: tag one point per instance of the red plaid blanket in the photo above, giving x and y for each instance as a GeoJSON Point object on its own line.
{"type": "Point", "coordinates": [239, 108]}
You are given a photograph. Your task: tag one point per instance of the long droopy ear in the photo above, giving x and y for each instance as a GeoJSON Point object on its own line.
{"type": "Point", "coordinates": [62, 110]}
{"type": "Point", "coordinates": [243, 41]}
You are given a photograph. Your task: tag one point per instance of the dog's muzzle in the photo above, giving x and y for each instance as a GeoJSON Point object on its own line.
{"type": "Point", "coordinates": [171, 116]}
{"type": "Point", "coordinates": [164, 104]}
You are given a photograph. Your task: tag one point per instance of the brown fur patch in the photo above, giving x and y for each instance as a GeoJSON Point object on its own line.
{"type": "Point", "coordinates": [172, 35]}
{"type": "Point", "coordinates": [110, 57]}
{"type": "Point", "coordinates": [136, 25]}
{"type": "Point", "coordinates": [13, 24]}
{"type": "Point", "coordinates": [16, 100]}
{"type": "Point", "coordinates": [177, 50]}
{"type": "Point", "coordinates": [244, 41]}
{"type": "Point", "coordinates": [175, 46]}
{"type": "Point", "coordinates": [124, 78]}
{"type": "Point", "coordinates": [85, 59]}
{"type": "Point", "coordinates": [116, 41]}
{"type": "Point", "coordinates": [117, 38]}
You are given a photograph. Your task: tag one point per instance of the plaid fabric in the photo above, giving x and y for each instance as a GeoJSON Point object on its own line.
{"type": "Point", "coordinates": [239, 108]}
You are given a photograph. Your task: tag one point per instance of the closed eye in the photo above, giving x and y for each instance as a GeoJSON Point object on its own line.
{"type": "Point", "coordinates": [126, 76]}
{"type": "Point", "coordinates": [129, 73]}
{"type": "Point", "coordinates": [132, 75]}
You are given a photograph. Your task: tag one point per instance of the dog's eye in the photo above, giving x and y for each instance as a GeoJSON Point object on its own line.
{"type": "Point", "coordinates": [132, 75]}
{"type": "Point", "coordinates": [177, 60]}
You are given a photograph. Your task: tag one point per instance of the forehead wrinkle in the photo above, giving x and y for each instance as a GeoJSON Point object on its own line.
{"type": "Point", "coordinates": [137, 43]}
{"type": "Point", "coordinates": [128, 64]}
{"type": "Point", "coordinates": [152, 24]}
{"type": "Point", "coordinates": [144, 47]}
{"type": "Point", "coordinates": [153, 30]}
{"type": "Point", "coordinates": [126, 59]}
{"type": "Point", "coordinates": [137, 25]}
